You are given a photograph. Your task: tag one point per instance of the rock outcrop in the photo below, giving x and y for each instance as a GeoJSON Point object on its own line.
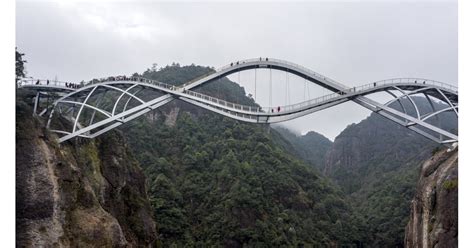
{"type": "Point", "coordinates": [83, 194]}
{"type": "Point", "coordinates": [434, 209]}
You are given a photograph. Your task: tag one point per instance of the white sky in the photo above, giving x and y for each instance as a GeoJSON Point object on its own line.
{"type": "Point", "coordinates": [352, 42]}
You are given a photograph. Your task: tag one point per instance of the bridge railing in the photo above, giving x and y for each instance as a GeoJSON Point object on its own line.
{"type": "Point", "coordinates": [311, 72]}
{"type": "Point", "coordinates": [222, 102]}
{"type": "Point", "coordinates": [196, 79]}
{"type": "Point", "coordinates": [153, 82]}
{"type": "Point", "coordinates": [318, 100]}
{"type": "Point", "coordinates": [418, 81]}
{"type": "Point", "coordinates": [133, 79]}
{"type": "Point", "coordinates": [301, 68]}
{"type": "Point", "coordinates": [43, 82]}
{"type": "Point", "coordinates": [362, 87]}
{"type": "Point", "coordinates": [54, 83]}
{"type": "Point", "coordinates": [251, 109]}
{"type": "Point", "coordinates": [421, 81]}
{"type": "Point", "coordinates": [255, 109]}
{"type": "Point", "coordinates": [314, 101]}
{"type": "Point", "coordinates": [253, 60]}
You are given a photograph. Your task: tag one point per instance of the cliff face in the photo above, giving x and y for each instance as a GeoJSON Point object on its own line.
{"type": "Point", "coordinates": [376, 146]}
{"type": "Point", "coordinates": [434, 209]}
{"type": "Point", "coordinates": [311, 147]}
{"type": "Point", "coordinates": [366, 151]}
{"type": "Point", "coordinates": [89, 194]}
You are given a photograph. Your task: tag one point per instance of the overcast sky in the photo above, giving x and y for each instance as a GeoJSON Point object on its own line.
{"type": "Point", "coordinates": [352, 42]}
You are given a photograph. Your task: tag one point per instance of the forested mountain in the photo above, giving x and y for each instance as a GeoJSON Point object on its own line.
{"type": "Point", "coordinates": [216, 181]}
{"type": "Point", "coordinates": [311, 147]}
{"type": "Point", "coordinates": [376, 163]}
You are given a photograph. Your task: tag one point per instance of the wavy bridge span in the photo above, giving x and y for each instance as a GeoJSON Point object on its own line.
{"type": "Point", "coordinates": [100, 106]}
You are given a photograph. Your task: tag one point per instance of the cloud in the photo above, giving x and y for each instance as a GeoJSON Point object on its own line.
{"type": "Point", "coordinates": [124, 19]}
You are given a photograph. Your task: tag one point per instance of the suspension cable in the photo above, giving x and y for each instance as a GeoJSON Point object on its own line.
{"type": "Point", "coordinates": [255, 84]}
{"type": "Point", "coordinates": [309, 96]}
{"type": "Point", "coordinates": [304, 90]}
{"type": "Point", "coordinates": [238, 80]}
{"type": "Point", "coordinates": [286, 89]}
{"type": "Point", "coordinates": [289, 94]}
{"type": "Point", "coordinates": [270, 98]}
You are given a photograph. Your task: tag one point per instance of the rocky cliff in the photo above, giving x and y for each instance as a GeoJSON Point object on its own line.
{"type": "Point", "coordinates": [366, 151]}
{"type": "Point", "coordinates": [434, 209]}
{"type": "Point", "coordinates": [86, 194]}
{"type": "Point", "coordinates": [376, 146]}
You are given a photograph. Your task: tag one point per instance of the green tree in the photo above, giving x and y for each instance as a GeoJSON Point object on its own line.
{"type": "Point", "coordinates": [20, 65]}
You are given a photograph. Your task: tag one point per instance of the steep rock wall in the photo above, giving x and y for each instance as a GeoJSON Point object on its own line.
{"type": "Point", "coordinates": [81, 194]}
{"type": "Point", "coordinates": [434, 209]}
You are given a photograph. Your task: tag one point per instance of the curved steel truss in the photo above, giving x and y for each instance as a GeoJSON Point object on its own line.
{"type": "Point", "coordinates": [101, 106]}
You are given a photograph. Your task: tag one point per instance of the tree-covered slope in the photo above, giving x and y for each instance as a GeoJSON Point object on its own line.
{"type": "Point", "coordinates": [216, 181]}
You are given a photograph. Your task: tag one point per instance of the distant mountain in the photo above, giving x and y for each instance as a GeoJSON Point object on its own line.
{"type": "Point", "coordinates": [375, 146]}
{"type": "Point", "coordinates": [311, 147]}
{"type": "Point", "coordinates": [365, 151]}
{"type": "Point", "coordinates": [376, 163]}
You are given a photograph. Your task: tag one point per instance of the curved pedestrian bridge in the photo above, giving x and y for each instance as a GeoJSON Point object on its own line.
{"type": "Point", "coordinates": [98, 106]}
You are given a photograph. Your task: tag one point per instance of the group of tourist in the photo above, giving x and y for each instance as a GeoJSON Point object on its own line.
{"type": "Point", "coordinates": [101, 80]}
{"type": "Point", "coordinates": [123, 78]}
{"type": "Point", "coordinates": [116, 78]}
{"type": "Point", "coordinates": [72, 85]}
{"type": "Point", "coordinates": [277, 109]}
{"type": "Point", "coordinates": [241, 62]}
{"type": "Point", "coordinates": [68, 85]}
